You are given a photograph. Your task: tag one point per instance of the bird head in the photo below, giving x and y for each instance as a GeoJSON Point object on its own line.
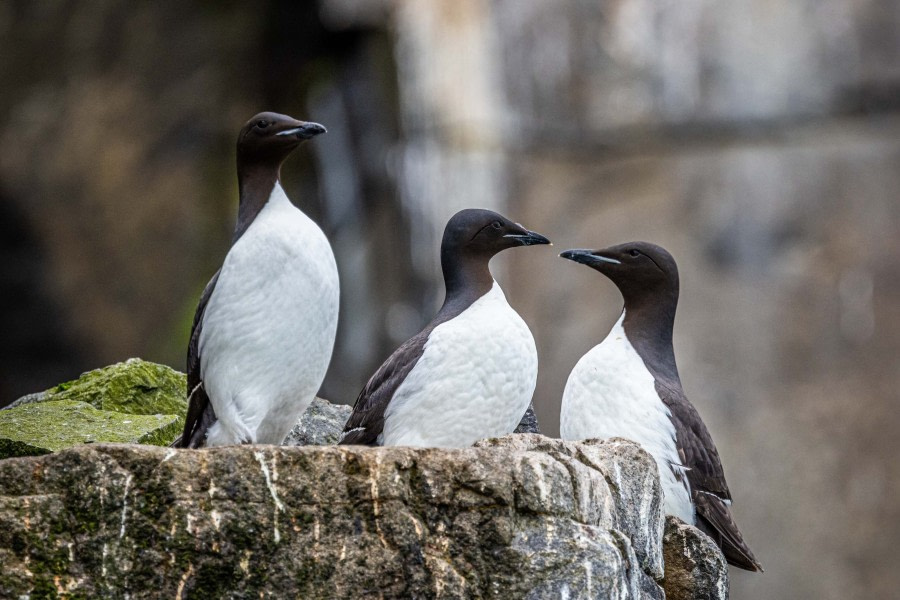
{"type": "Point", "coordinates": [269, 138]}
{"type": "Point", "coordinates": [639, 269]}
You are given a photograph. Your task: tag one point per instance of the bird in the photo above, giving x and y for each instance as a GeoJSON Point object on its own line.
{"type": "Point", "coordinates": [265, 326]}
{"type": "Point", "coordinates": [471, 372]}
{"type": "Point", "coordinates": [628, 386]}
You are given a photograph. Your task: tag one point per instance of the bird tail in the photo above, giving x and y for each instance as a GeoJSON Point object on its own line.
{"type": "Point", "coordinates": [716, 521]}
{"type": "Point", "coordinates": [200, 417]}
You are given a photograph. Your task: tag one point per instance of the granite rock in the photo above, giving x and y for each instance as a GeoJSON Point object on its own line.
{"type": "Point", "coordinates": [517, 517]}
{"type": "Point", "coordinates": [695, 567]}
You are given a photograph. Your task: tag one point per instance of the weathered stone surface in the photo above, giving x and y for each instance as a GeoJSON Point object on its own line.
{"type": "Point", "coordinates": [320, 425]}
{"type": "Point", "coordinates": [132, 401]}
{"type": "Point", "coordinates": [42, 427]}
{"type": "Point", "coordinates": [519, 517]}
{"type": "Point", "coordinates": [695, 568]}
{"type": "Point", "coordinates": [529, 422]}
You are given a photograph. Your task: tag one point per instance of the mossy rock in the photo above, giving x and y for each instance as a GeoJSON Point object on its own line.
{"type": "Point", "coordinates": [136, 387]}
{"type": "Point", "coordinates": [44, 427]}
{"type": "Point", "coordinates": [132, 401]}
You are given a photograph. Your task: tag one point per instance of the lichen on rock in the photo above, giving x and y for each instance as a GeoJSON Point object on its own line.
{"type": "Point", "coordinates": [132, 401]}
{"type": "Point", "coordinates": [136, 387]}
{"type": "Point", "coordinates": [42, 427]}
{"type": "Point", "coordinates": [523, 516]}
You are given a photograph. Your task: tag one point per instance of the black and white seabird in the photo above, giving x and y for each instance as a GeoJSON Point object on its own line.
{"type": "Point", "coordinates": [628, 386]}
{"type": "Point", "coordinates": [471, 372]}
{"type": "Point", "coordinates": [264, 329]}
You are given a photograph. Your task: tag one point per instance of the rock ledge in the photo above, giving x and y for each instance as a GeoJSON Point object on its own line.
{"type": "Point", "coordinates": [521, 516]}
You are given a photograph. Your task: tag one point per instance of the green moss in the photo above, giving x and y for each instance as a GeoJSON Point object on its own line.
{"type": "Point", "coordinates": [49, 426]}
{"type": "Point", "coordinates": [135, 387]}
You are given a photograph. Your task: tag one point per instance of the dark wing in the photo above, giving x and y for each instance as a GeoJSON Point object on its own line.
{"type": "Point", "coordinates": [200, 413]}
{"type": "Point", "coordinates": [704, 471]}
{"type": "Point", "coordinates": [366, 422]}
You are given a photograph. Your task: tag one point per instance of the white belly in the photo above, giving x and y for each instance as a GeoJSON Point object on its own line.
{"type": "Point", "coordinates": [269, 328]}
{"type": "Point", "coordinates": [474, 379]}
{"type": "Point", "coordinates": [610, 393]}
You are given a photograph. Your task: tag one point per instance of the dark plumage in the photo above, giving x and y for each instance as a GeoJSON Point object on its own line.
{"type": "Point", "coordinates": [647, 276]}
{"type": "Point", "coordinates": [471, 238]}
{"type": "Point", "coordinates": [264, 142]}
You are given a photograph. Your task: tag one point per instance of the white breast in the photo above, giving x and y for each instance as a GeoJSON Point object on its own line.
{"type": "Point", "coordinates": [474, 379]}
{"type": "Point", "coordinates": [270, 325]}
{"type": "Point", "coordinates": [610, 393]}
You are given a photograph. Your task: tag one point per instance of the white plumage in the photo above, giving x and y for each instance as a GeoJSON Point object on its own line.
{"type": "Point", "coordinates": [610, 393]}
{"type": "Point", "coordinates": [269, 328]}
{"type": "Point", "coordinates": [474, 380]}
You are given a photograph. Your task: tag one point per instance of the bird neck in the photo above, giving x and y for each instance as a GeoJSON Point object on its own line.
{"type": "Point", "coordinates": [255, 184]}
{"type": "Point", "coordinates": [467, 278]}
{"type": "Point", "coordinates": [649, 324]}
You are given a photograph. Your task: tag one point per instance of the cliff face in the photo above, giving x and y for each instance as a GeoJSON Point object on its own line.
{"type": "Point", "coordinates": [522, 516]}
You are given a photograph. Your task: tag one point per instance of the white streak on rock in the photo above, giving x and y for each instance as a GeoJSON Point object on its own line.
{"type": "Point", "coordinates": [179, 594]}
{"type": "Point", "coordinates": [260, 458]}
{"type": "Point", "coordinates": [104, 553]}
{"type": "Point", "coordinates": [125, 506]}
{"type": "Point", "coordinates": [279, 506]}
{"type": "Point", "coordinates": [587, 571]}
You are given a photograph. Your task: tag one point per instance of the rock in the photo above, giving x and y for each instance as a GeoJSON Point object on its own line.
{"type": "Point", "coordinates": [518, 517]}
{"type": "Point", "coordinates": [27, 399]}
{"type": "Point", "coordinates": [695, 567]}
{"type": "Point", "coordinates": [529, 422]}
{"type": "Point", "coordinates": [145, 399]}
{"type": "Point", "coordinates": [320, 425]}
{"type": "Point", "coordinates": [42, 427]}
{"type": "Point", "coordinates": [136, 387]}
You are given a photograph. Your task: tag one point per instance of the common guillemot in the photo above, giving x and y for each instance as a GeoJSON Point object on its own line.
{"type": "Point", "coordinates": [471, 372]}
{"type": "Point", "coordinates": [628, 386]}
{"type": "Point", "coordinates": [264, 330]}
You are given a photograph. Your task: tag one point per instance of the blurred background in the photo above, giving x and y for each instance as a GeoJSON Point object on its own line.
{"type": "Point", "coordinates": [759, 141]}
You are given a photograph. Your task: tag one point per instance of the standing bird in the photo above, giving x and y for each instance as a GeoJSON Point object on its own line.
{"type": "Point", "coordinates": [265, 326]}
{"type": "Point", "coordinates": [628, 386]}
{"type": "Point", "coordinates": [471, 372]}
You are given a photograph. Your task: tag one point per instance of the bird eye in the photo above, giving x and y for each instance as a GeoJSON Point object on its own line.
{"type": "Point", "coordinates": [634, 252]}
{"type": "Point", "coordinates": [262, 123]}
{"type": "Point", "coordinates": [496, 225]}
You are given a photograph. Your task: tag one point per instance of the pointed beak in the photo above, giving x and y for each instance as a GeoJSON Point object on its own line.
{"type": "Point", "coordinates": [588, 257]}
{"type": "Point", "coordinates": [303, 131]}
{"type": "Point", "coordinates": [528, 238]}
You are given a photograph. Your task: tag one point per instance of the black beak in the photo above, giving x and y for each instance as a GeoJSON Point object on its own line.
{"type": "Point", "coordinates": [527, 238]}
{"type": "Point", "coordinates": [304, 131]}
{"type": "Point", "coordinates": [588, 257]}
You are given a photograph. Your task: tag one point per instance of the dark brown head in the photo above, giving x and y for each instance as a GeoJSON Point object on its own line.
{"type": "Point", "coordinates": [648, 279]}
{"type": "Point", "coordinates": [269, 138]}
{"type": "Point", "coordinates": [640, 270]}
{"type": "Point", "coordinates": [472, 237]}
{"type": "Point", "coordinates": [263, 144]}
{"type": "Point", "coordinates": [476, 231]}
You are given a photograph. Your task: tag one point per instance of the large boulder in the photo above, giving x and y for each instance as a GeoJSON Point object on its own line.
{"type": "Point", "coordinates": [519, 517]}
{"type": "Point", "coordinates": [132, 401]}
